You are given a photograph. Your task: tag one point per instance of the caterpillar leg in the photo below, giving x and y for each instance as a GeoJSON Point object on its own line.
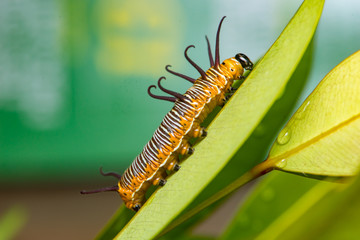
{"type": "Point", "coordinates": [198, 132]}
{"type": "Point", "coordinates": [176, 167]}
{"type": "Point", "coordinates": [160, 178]}
{"type": "Point", "coordinates": [225, 98]}
{"type": "Point", "coordinates": [138, 201]}
{"type": "Point", "coordinates": [222, 101]}
{"type": "Point", "coordinates": [136, 207]}
{"type": "Point", "coordinates": [173, 166]}
{"type": "Point", "coordinates": [186, 149]}
{"type": "Point", "coordinates": [159, 181]}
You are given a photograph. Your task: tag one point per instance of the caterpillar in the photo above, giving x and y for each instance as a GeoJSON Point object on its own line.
{"type": "Point", "coordinates": [182, 123]}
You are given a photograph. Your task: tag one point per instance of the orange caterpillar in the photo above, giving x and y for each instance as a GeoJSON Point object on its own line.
{"type": "Point", "coordinates": [183, 122]}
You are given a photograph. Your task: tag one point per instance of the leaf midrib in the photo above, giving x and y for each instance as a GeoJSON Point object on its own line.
{"type": "Point", "coordinates": [319, 137]}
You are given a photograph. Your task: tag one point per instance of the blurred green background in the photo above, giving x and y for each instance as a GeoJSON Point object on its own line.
{"type": "Point", "coordinates": [74, 74]}
{"type": "Point", "coordinates": [74, 78]}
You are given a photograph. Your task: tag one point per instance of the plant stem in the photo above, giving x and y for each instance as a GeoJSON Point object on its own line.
{"type": "Point", "coordinates": [257, 171]}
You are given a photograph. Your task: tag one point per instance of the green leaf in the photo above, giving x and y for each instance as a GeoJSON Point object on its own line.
{"type": "Point", "coordinates": [339, 90]}
{"type": "Point", "coordinates": [323, 136]}
{"type": "Point", "coordinates": [231, 128]}
{"type": "Point", "coordinates": [274, 205]}
{"type": "Point", "coordinates": [330, 216]}
{"type": "Point", "coordinates": [116, 223]}
{"type": "Point", "coordinates": [12, 221]}
{"type": "Point", "coordinates": [253, 151]}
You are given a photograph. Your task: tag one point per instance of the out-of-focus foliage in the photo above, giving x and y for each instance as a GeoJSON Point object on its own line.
{"type": "Point", "coordinates": [273, 206]}
{"type": "Point", "coordinates": [328, 213]}
{"type": "Point", "coordinates": [12, 221]}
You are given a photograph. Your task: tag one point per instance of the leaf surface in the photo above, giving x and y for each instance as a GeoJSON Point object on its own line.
{"type": "Point", "coordinates": [330, 216]}
{"type": "Point", "coordinates": [274, 205]}
{"type": "Point", "coordinates": [323, 136]}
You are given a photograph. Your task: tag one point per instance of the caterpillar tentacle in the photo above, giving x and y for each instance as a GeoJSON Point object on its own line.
{"type": "Point", "coordinates": [114, 174]}
{"type": "Point", "coordinates": [105, 189]}
{"type": "Point", "coordinates": [182, 123]}
{"type": "Point", "coordinates": [217, 51]}
{"type": "Point", "coordinates": [170, 99]}
{"type": "Point", "coordinates": [209, 52]}
{"type": "Point", "coordinates": [175, 94]}
{"type": "Point", "coordinates": [202, 73]}
{"type": "Point", "coordinates": [179, 74]}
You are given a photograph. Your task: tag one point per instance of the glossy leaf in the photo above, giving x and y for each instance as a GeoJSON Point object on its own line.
{"type": "Point", "coordinates": [333, 108]}
{"type": "Point", "coordinates": [231, 128]}
{"type": "Point", "coordinates": [323, 136]}
{"type": "Point", "coordinates": [252, 152]}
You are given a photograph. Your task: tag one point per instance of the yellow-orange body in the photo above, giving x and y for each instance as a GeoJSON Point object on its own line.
{"type": "Point", "coordinates": [171, 138]}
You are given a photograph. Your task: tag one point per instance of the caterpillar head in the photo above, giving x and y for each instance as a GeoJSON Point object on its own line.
{"type": "Point", "coordinates": [244, 61]}
{"type": "Point", "coordinates": [236, 65]}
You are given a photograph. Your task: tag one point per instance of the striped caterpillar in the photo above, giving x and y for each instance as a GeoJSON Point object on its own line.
{"type": "Point", "coordinates": [182, 123]}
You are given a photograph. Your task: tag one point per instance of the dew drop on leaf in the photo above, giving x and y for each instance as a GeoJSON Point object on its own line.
{"type": "Point", "coordinates": [301, 112]}
{"type": "Point", "coordinates": [284, 136]}
{"type": "Point", "coordinates": [282, 163]}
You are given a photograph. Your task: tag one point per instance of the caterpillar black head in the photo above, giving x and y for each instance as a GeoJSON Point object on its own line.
{"type": "Point", "coordinates": [244, 61]}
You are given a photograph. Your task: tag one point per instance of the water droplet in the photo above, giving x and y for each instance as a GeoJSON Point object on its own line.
{"type": "Point", "coordinates": [301, 112]}
{"type": "Point", "coordinates": [284, 136]}
{"type": "Point", "coordinates": [282, 163]}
